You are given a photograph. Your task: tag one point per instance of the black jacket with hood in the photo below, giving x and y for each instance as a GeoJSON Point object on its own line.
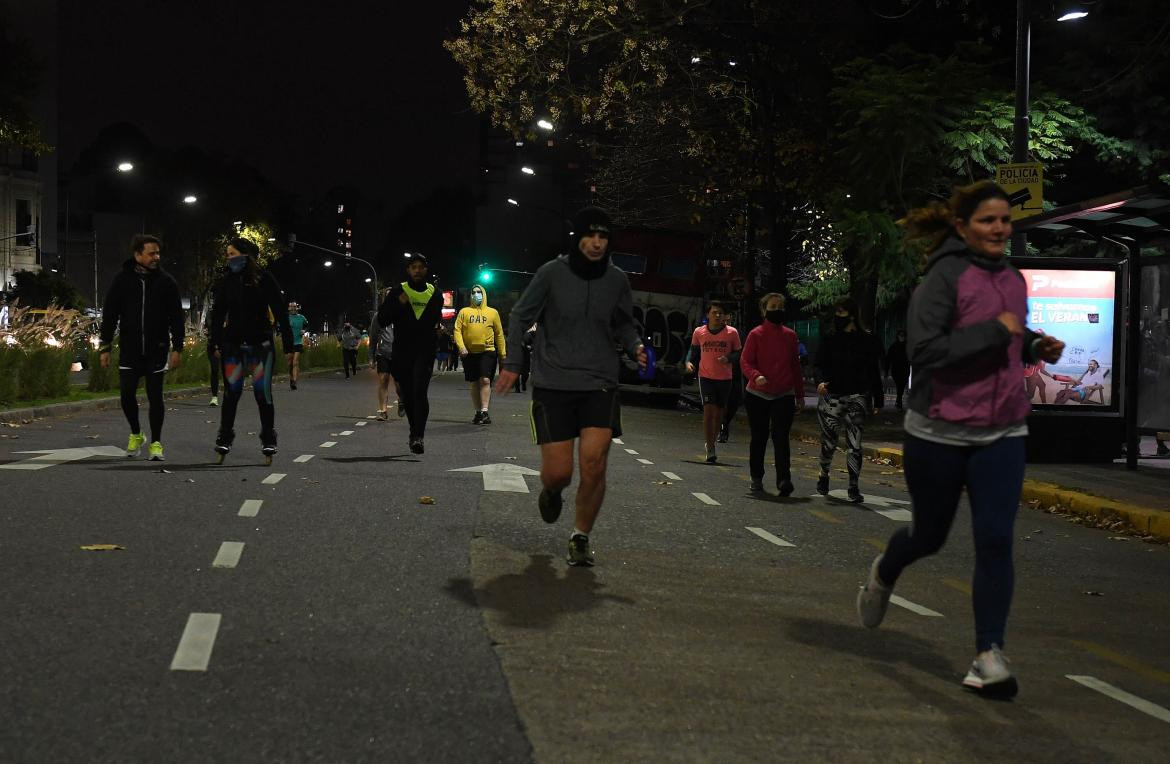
{"type": "Point", "coordinates": [414, 335]}
{"type": "Point", "coordinates": [247, 306]}
{"type": "Point", "coordinates": [143, 306]}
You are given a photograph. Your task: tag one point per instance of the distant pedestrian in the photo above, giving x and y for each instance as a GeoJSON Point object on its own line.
{"type": "Point", "coordinates": [296, 325]}
{"type": "Point", "coordinates": [715, 350]}
{"type": "Point", "coordinates": [850, 389]}
{"type": "Point", "coordinates": [967, 417]}
{"type": "Point", "coordinates": [898, 365]}
{"type": "Point", "coordinates": [350, 338]}
{"type": "Point", "coordinates": [479, 335]}
{"type": "Point", "coordinates": [248, 307]}
{"type": "Point", "coordinates": [526, 366]}
{"type": "Point", "coordinates": [143, 306]}
{"type": "Point", "coordinates": [414, 308]}
{"type": "Point", "coordinates": [584, 305]}
{"type": "Point", "coordinates": [381, 345]}
{"type": "Point", "coordinates": [775, 392]}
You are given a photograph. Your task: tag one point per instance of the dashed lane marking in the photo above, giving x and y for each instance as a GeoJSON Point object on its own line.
{"type": "Point", "coordinates": [769, 537]}
{"type": "Point", "coordinates": [328, 444]}
{"type": "Point", "coordinates": [619, 441]}
{"type": "Point", "coordinates": [897, 515]}
{"type": "Point", "coordinates": [706, 499]}
{"type": "Point", "coordinates": [645, 461]}
{"type": "Point", "coordinates": [957, 585]}
{"type": "Point", "coordinates": [1133, 701]}
{"type": "Point", "coordinates": [228, 555]}
{"type": "Point", "coordinates": [303, 458]}
{"type": "Point", "coordinates": [1136, 666]}
{"type": "Point", "coordinates": [274, 478]}
{"type": "Point", "coordinates": [631, 452]}
{"type": "Point", "coordinates": [360, 424]}
{"type": "Point", "coordinates": [671, 476]}
{"type": "Point", "coordinates": [194, 650]}
{"type": "Point", "coordinates": [347, 432]}
{"type": "Point", "coordinates": [914, 607]}
{"type": "Point", "coordinates": [250, 507]}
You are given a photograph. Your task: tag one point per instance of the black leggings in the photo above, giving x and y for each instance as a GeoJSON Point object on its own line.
{"type": "Point", "coordinates": [413, 375]}
{"type": "Point", "coordinates": [349, 360]}
{"type": "Point", "coordinates": [216, 372]}
{"type": "Point", "coordinates": [154, 395]}
{"type": "Point", "coordinates": [770, 418]}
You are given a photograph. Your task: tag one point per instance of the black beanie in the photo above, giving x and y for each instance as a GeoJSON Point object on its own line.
{"type": "Point", "coordinates": [591, 220]}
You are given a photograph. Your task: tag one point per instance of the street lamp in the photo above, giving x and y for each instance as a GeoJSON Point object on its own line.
{"type": "Point", "coordinates": [527, 170]}
{"type": "Point", "coordinates": [125, 166]}
{"type": "Point", "coordinates": [328, 263]}
{"type": "Point", "coordinates": [544, 124]}
{"type": "Point", "coordinates": [190, 199]}
{"type": "Point", "coordinates": [513, 202]}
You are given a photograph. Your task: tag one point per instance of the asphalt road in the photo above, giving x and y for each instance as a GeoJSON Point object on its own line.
{"type": "Point", "coordinates": [362, 625]}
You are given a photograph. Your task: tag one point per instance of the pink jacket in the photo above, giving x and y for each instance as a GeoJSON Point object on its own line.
{"type": "Point", "coordinates": [771, 351]}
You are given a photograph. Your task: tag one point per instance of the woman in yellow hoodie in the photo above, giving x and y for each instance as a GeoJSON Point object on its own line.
{"type": "Point", "coordinates": [480, 338]}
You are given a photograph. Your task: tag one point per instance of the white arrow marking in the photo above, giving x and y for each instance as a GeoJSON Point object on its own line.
{"type": "Point", "coordinates": [55, 456]}
{"type": "Point", "coordinates": [882, 505]}
{"type": "Point", "coordinates": [502, 477]}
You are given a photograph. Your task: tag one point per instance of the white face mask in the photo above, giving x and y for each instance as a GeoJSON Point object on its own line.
{"type": "Point", "coordinates": [477, 297]}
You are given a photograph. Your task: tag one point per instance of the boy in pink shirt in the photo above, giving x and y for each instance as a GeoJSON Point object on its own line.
{"type": "Point", "coordinates": [716, 347]}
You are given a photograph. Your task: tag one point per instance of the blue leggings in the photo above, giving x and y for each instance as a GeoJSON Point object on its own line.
{"type": "Point", "coordinates": [994, 478]}
{"type": "Point", "coordinates": [240, 361]}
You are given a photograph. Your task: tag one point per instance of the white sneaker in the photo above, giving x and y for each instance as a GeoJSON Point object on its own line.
{"type": "Point", "coordinates": [873, 599]}
{"type": "Point", "coordinates": [990, 675]}
{"type": "Point", "coordinates": [710, 450]}
{"type": "Point", "coordinates": [214, 401]}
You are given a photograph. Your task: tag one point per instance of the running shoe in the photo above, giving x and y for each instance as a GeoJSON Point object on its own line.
{"type": "Point", "coordinates": [873, 599]}
{"type": "Point", "coordinates": [757, 486]}
{"type": "Point", "coordinates": [292, 383]}
{"type": "Point", "coordinates": [580, 555]}
{"type": "Point", "coordinates": [785, 487]}
{"type": "Point", "coordinates": [478, 418]}
{"type": "Point", "coordinates": [383, 415]}
{"type": "Point", "coordinates": [550, 504]}
{"type": "Point", "coordinates": [990, 675]}
{"type": "Point", "coordinates": [823, 485]}
{"type": "Point", "coordinates": [709, 448]}
{"type": "Point", "coordinates": [416, 445]}
{"type": "Point", "coordinates": [156, 452]}
{"type": "Point", "coordinates": [401, 409]}
{"type": "Point", "coordinates": [854, 494]}
{"type": "Point", "coordinates": [724, 433]}
{"type": "Point", "coordinates": [486, 418]}
{"type": "Point", "coordinates": [134, 447]}
{"type": "Point", "coordinates": [214, 401]}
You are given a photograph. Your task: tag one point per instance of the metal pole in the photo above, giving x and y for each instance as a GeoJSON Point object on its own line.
{"type": "Point", "coordinates": [1133, 344]}
{"type": "Point", "coordinates": [1020, 127]}
{"type": "Point", "coordinates": [95, 270]}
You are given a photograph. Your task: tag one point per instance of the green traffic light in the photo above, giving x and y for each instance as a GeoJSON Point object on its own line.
{"type": "Point", "coordinates": [485, 276]}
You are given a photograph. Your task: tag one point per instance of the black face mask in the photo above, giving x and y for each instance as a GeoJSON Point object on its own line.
{"type": "Point", "coordinates": [775, 316]}
{"type": "Point", "coordinates": [586, 268]}
{"type": "Point", "coordinates": [841, 323]}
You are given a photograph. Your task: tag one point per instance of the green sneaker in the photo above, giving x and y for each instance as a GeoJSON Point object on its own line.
{"type": "Point", "coordinates": [579, 552]}
{"type": "Point", "coordinates": [134, 447]}
{"type": "Point", "coordinates": [156, 454]}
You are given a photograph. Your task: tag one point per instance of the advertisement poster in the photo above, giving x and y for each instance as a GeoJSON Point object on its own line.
{"type": "Point", "coordinates": [1078, 307]}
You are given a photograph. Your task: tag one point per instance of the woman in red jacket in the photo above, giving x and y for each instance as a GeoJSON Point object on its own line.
{"type": "Point", "coordinates": [775, 391]}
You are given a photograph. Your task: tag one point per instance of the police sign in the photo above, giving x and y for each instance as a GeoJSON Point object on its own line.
{"type": "Point", "coordinates": [1024, 183]}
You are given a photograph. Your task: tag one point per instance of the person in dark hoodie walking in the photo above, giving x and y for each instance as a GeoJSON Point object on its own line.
{"type": "Point", "coordinates": [143, 306]}
{"type": "Point", "coordinates": [850, 388]}
{"type": "Point", "coordinates": [248, 307]}
{"type": "Point", "coordinates": [583, 304]}
{"type": "Point", "coordinates": [967, 415]}
{"type": "Point", "coordinates": [414, 308]}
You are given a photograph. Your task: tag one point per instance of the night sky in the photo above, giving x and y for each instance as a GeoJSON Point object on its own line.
{"type": "Point", "coordinates": [314, 96]}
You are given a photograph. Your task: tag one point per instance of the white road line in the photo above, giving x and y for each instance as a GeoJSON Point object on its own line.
{"type": "Point", "coordinates": [250, 507]}
{"type": "Point", "coordinates": [347, 432]}
{"type": "Point", "coordinates": [631, 452]}
{"type": "Point", "coordinates": [899, 515]}
{"type": "Point", "coordinates": [228, 555]}
{"type": "Point", "coordinates": [372, 417]}
{"type": "Point", "coordinates": [913, 607]}
{"type": "Point", "coordinates": [1133, 701]}
{"type": "Point", "coordinates": [303, 458]}
{"type": "Point", "coordinates": [645, 461]}
{"type": "Point", "coordinates": [274, 478]}
{"type": "Point", "coordinates": [769, 537]}
{"type": "Point", "coordinates": [705, 499]}
{"type": "Point", "coordinates": [619, 441]}
{"type": "Point", "coordinates": [671, 476]}
{"type": "Point", "coordinates": [328, 444]}
{"type": "Point", "coordinates": [194, 650]}
{"type": "Point", "coordinates": [360, 424]}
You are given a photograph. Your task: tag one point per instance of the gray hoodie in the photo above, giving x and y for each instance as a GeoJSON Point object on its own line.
{"type": "Point", "coordinates": [579, 321]}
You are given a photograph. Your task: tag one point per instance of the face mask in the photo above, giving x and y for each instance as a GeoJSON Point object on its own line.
{"type": "Point", "coordinates": [236, 264]}
{"type": "Point", "coordinates": [477, 297]}
{"type": "Point", "coordinates": [775, 316]}
{"type": "Point", "coordinates": [840, 323]}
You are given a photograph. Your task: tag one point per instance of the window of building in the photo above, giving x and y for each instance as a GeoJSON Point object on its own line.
{"type": "Point", "coordinates": [628, 262]}
{"type": "Point", "coordinates": [24, 221]}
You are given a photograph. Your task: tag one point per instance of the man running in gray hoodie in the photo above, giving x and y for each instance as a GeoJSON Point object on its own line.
{"type": "Point", "coordinates": [583, 303]}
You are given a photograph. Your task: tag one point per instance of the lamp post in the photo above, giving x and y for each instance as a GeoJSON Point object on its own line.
{"type": "Point", "coordinates": [347, 256]}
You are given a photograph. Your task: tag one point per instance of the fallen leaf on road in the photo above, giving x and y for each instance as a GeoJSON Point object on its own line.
{"type": "Point", "coordinates": [425, 500]}
{"type": "Point", "coordinates": [102, 547]}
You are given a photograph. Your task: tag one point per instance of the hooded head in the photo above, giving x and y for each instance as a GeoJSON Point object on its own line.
{"type": "Point", "coordinates": [478, 297]}
{"type": "Point", "coordinates": [589, 258]}
{"type": "Point", "coordinates": [417, 270]}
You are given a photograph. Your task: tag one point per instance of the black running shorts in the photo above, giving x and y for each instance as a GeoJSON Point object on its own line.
{"type": "Point", "coordinates": [559, 415]}
{"type": "Point", "coordinates": [715, 392]}
{"type": "Point", "coordinates": [383, 364]}
{"type": "Point", "coordinates": [298, 348]}
{"type": "Point", "coordinates": [479, 365]}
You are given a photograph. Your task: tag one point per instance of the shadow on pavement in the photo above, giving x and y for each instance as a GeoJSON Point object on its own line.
{"type": "Point", "coordinates": [536, 598]}
{"type": "Point", "coordinates": [771, 498]}
{"type": "Point", "coordinates": [356, 459]}
{"type": "Point", "coordinates": [175, 467]}
{"type": "Point", "coordinates": [886, 646]}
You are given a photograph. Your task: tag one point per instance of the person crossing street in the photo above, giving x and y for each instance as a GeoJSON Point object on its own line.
{"type": "Point", "coordinates": [143, 306]}
{"type": "Point", "coordinates": [479, 335]}
{"type": "Point", "coordinates": [583, 304]}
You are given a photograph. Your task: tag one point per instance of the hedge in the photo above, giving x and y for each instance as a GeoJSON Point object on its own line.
{"type": "Point", "coordinates": [42, 372]}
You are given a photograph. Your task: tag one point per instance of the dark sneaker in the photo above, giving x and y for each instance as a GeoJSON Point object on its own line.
{"type": "Point", "coordinates": [724, 433]}
{"type": "Point", "coordinates": [823, 485]}
{"type": "Point", "coordinates": [580, 555]}
{"type": "Point", "coordinates": [855, 494]}
{"type": "Point", "coordinates": [757, 486]}
{"type": "Point", "coordinates": [486, 418]}
{"type": "Point", "coordinates": [873, 599]}
{"type": "Point", "coordinates": [991, 675]}
{"type": "Point", "coordinates": [416, 445]}
{"type": "Point", "coordinates": [550, 504]}
{"type": "Point", "coordinates": [785, 487]}
{"type": "Point", "coordinates": [478, 418]}
{"type": "Point", "coordinates": [401, 409]}
{"type": "Point", "coordinates": [292, 383]}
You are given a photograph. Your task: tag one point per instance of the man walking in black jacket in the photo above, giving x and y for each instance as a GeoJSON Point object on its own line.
{"type": "Point", "coordinates": [414, 308]}
{"type": "Point", "coordinates": [143, 306]}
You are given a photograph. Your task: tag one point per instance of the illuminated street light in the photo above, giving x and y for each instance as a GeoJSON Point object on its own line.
{"type": "Point", "coordinates": [271, 239]}
{"type": "Point", "coordinates": [544, 124]}
{"type": "Point", "coordinates": [368, 280]}
{"type": "Point", "coordinates": [527, 170]}
{"type": "Point", "coordinates": [328, 263]}
{"type": "Point", "coordinates": [1073, 15]}
{"type": "Point", "coordinates": [406, 254]}
{"type": "Point", "coordinates": [190, 199]}
{"type": "Point", "coordinates": [125, 166]}
{"type": "Point", "coordinates": [513, 202]}
{"type": "Point", "coordinates": [695, 59]}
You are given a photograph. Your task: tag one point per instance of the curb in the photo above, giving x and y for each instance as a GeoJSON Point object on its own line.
{"type": "Point", "coordinates": [1149, 522]}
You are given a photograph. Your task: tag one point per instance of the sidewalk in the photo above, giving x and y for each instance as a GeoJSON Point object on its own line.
{"type": "Point", "coordinates": [1103, 495]}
